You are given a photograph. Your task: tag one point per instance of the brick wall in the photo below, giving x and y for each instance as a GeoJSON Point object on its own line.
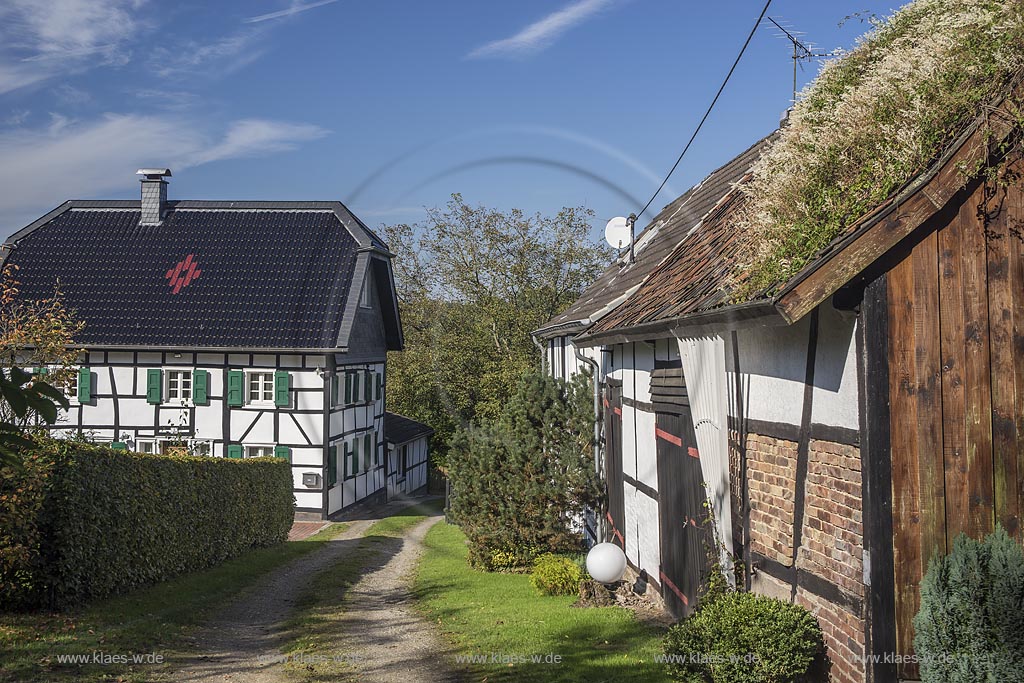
{"type": "Point", "coordinates": [832, 539]}
{"type": "Point", "coordinates": [831, 544]}
{"type": "Point", "coordinates": [771, 474]}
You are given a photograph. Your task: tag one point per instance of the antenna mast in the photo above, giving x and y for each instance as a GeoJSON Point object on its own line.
{"type": "Point", "coordinates": [800, 51]}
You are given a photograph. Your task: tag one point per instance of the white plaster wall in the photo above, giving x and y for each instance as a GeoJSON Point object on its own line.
{"type": "Point", "coordinates": [648, 533]}
{"type": "Point", "coordinates": [773, 366]}
{"type": "Point", "coordinates": [632, 515]}
{"type": "Point", "coordinates": [309, 499]}
{"type": "Point", "coordinates": [835, 399]}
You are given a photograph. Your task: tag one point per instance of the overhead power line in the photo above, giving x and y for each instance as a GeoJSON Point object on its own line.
{"type": "Point", "coordinates": [708, 112]}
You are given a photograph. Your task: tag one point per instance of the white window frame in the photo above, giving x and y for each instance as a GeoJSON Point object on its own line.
{"type": "Point", "coordinates": [364, 296]}
{"type": "Point", "coordinates": [167, 386]}
{"type": "Point", "coordinates": [247, 454]}
{"type": "Point", "coordinates": [249, 374]}
{"type": "Point", "coordinates": [153, 443]}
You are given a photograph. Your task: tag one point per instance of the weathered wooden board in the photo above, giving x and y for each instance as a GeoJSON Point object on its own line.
{"type": "Point", "coordinates": [977, 369]}
{"type": "Point", "coordinates": [1003, 281]}
{"type": "Point", "coordinates": [951, 314]}
{"type": "Point", "coordinates": [906, 493]}
{"type": "Point", "coordinates": [928, 394]}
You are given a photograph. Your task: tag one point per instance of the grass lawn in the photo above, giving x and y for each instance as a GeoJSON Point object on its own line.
{"type": "Point", "coordinates": [314, 627]}
{"type": "Point", "coordinates": [149, 620]}
{"type": "Point", "coordinates": [487, 614]}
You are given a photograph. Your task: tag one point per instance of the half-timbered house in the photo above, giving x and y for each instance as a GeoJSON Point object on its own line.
{"type": "Point", "coordinates": [225, 328]}
{"type": "Point", "coordinates": [846, 427]}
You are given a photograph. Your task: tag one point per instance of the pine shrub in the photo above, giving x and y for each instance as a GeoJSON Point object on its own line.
{"type": "Point", "coordinates": [970, 628]}
{"type": "Point", "coordinates": [556, 575]}
{"type": "Point", "coordinates": [521, 482]}
{"type": "Point", "coordinates": [744, 638]}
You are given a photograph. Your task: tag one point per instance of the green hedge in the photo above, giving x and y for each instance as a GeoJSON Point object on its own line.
{"type": "Point", "coordinates": [83, 521]}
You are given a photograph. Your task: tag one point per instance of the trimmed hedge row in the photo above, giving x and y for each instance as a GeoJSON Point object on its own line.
{"type": "Point", "coordinates": [82, 521]}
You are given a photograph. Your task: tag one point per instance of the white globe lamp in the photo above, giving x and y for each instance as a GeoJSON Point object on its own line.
{"type": "Point", "coordinates": [606, 563]}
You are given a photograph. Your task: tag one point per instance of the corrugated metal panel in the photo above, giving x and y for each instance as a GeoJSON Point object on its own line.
{"type": "Point", "coordinates": [704, 367]}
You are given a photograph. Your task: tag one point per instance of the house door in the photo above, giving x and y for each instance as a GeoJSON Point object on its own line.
{"type": "Point", "coordinates": [685, 535]}
{"type": "Point", "coordinates": [616, 516]}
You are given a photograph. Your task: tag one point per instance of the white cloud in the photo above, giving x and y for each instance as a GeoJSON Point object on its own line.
{"type": "Point", "coordinates": [221, 57]}
{"type": "Point", "coordinates": [41, 167]}
{"type": "Point", "coordinates": [252, 137]}
{"type": "Point", "coordinates": [541, 34]}
{"type": "Point", "coordinates": [292, 10]}
{"type": "Point", "coordinates": [40, 40]}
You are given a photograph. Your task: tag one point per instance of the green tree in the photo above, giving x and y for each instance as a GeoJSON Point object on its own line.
{"type": "Point", "coordinates": [472, 284]}
{"type": "Point", "coordinates": [32, 334]}
{"type": "Point", "coordinates": [520, 481]}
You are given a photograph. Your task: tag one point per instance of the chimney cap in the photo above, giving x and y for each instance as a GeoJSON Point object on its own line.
{"type": "Point", "coordinates": [154, 173]}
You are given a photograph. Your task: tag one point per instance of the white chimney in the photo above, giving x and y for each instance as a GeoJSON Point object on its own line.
{"type": "Point", "coordinates": [154, 194]}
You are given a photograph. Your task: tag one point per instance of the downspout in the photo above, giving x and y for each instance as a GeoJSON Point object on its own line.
{"type": "Point", "coordinates": [598, 381]}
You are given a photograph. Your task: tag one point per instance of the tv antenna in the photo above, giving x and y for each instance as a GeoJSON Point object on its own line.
{"type": "Point", "coordinates": [801, 51]}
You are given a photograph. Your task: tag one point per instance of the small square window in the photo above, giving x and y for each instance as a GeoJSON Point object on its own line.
{"type": "Point", "coordinates": [259, 451]}
{"type": "Point", "coordinates": [364, 296]}
{"type": "Point", "coordinates": [146, 446]}
{"type": "Point", "coordinates": [179, 386]}
{"type": "Point", "coordinates": [261, 387]}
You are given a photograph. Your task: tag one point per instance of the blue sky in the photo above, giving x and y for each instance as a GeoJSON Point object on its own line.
{"type": "Point", "coordinates": [389, 106]}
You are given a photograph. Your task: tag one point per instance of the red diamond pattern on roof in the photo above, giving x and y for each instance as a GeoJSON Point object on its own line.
{"type": "Point", "coordinates": [182, 274]}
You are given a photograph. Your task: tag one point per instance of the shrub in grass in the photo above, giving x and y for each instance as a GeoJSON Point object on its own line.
{"type": "Point", "coordinates": [556, 575]}
{"type": "Point", "coordinates": [969, 627]}
{"type": "Point", "coordinates": [744, 638]}
{"type": "Point", "coordinates": [82, 521]}
{"type": "Point", "coordinates": [516, 559]}
{"type": "Point", "coordinates": [520, 480]}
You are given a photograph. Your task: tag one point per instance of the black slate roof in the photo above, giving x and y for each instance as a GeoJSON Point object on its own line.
{"type": "Point", "coordinates": [653, 246]}
{"type": "Point", "coordinates": [399, 429]}
{"type": "Point", "coordinates": [247, 275]}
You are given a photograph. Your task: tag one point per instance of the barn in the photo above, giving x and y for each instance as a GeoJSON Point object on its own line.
{"type": "Point", "coordinates": [844, 425]}
{"type": "Point", "coordinates": [228, 329]}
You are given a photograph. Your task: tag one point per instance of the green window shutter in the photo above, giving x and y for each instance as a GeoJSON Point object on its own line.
{"type": "Point", "coordinates": [236, 387]}
{"type": "Point", "coordinates": [348, 388]}
{"type": "Point", "coordinates": [84, 385]}
{"type": "Point", "coordinates": [201, 387]}
{"type": "Point", "coordinates": [119, 446]}
{"type": "Point", "coordinates": [367, 452]}
{"type": "Point", "coordinates": [283, 452]}
{"type": "Point", "coordinates": [332, 465]}
{"type": "Point", "coordinates": [40, 371]}
{"type": "Point", "coordinates": [334, 389]}
{"type": "Point", "coordinates": [355, 456]}
{"type": "Point", "coordinates": [380, 385]}
{"type": "Point", "coordinates": [282, 386]}
{"type": "Point", "coordinates": [355, 386]}
{"type": "Point", "coordinates": [154, 385]}
{"type": "Point", "coordinates": [368, 388]}
{"type": "Point", "coordinates": [235, 450]}
{"type": "Point", "coordinates": [376, 450]}
{"type": "Point", "coordinates": [346, 455]}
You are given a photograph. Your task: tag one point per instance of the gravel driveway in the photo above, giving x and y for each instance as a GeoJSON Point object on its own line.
{"type": "Point", "coordinates": [385, 638]}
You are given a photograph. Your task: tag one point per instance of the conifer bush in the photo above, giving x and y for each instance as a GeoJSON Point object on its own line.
{"type": "Point", "coordinates": [521, 482]}
{"type": "Point", "coordinates": [970, 627]}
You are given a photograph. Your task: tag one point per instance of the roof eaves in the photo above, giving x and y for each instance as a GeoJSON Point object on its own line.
{"type": "Point", "coordinates": [560, 329]}
{"type": "Point", "coordinates": [754, 313]}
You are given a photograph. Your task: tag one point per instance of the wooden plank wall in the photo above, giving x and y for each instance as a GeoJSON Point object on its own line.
{"type": "Point", "coordinates": [956, 378]}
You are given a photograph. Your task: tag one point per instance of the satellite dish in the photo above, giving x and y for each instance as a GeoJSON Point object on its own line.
{"type": "Point", "coordinates": [617, 232]}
